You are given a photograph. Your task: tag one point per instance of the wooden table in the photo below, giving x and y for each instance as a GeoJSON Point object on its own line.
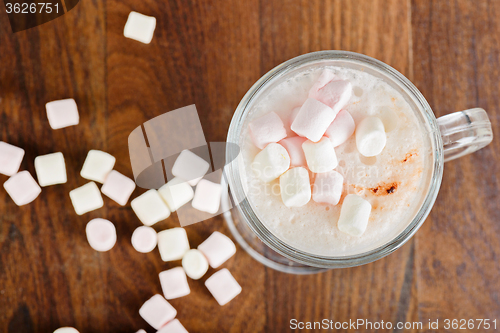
{"type": "Point", "coordinates": [209, 53]}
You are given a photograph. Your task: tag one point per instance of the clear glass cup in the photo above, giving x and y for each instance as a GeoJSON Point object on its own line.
{"type": "Point", "coordinates": [448, 137]}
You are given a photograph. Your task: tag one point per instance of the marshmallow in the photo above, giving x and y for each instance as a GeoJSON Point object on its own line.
{"type": "Point", "coordinates": [341, 129]}
{"type": "Point", "coordinates": [271, 162]}
{"type": "Point", "coordinates": [266, 129]}
{"type": "Point", "coordinates": [156, 311]}
{"type": "Point", "coordinates": [62, 113]}
{"type": "Point", "coordinates": [101, 234]}
{"type": "Point", "coordinates": [320, 156]}
{"type": "Point", "coordinates": [174, 283]}
{"type": "Point", "coordinates": [328, 187]}
{"type": "Point", "coordinates": [144, 239]}
{"type": "Point", "coordinates": [293, 115]}
{"type": "Point", "coordinates": [207, 196]}
{"type": "Point", "coordinates": [173, 326]}
{"type": "Point", "coordinates": [190, 167]}
{"type": "Point", "coordinates": [293, 146]}
{"type": "Point", "coordinates": [50, 169]}
{"type": "Point", "coordinates": [66, 330]}
{"type": "Point", "coordinates": [370, 136]}
{"type": "Point", "coordinates": [217, 248]}
{"type": "Point", "coordinates": [86, 198]}
{"type": "Point", "coordinates": [173, 244]}
{"type": "Point", "coordinates": [195, 264]}
{"type": "Point", "coordinates": [335, 94]}
{"type": "Point", "coordinates": [140, 27]}
{"type": "Point", "coordinates": [354, 215]}
{"type": "Point", "coordinates": [97, 166]}
{"type": "Point", "coordinates": [223, 286]}
{"type": "Point", "coordinates": [141, 331]}
{"type": "Point", "coordinates": [10, 158]}
{"type": "Point", "coordinates": [326, 77]}
{"type": "Point", "coordinates": [295, 187]}
{"type": "Point", "coordinates": [150, 208]}
{"type": "Point", "coordinates": [313, 119]}
{"type": "Point", "coordinates": [22, 188]}
{"type": "Point", "coordinates": [176, 193]}
{"type": "Point", "coordinates": [118, 187]}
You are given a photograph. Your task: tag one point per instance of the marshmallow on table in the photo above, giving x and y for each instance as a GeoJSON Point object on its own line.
{"type": "Point", "coordinates": [156, 311]}
{"type": "Point", "coordinates": [190, 167]}
{"type": "Point", "coordinates": [295, 187]}
{"type": "Point", "coordinates": [22, 188]}
{"type": "Point", "coordinates": [341, 129]}
{"type": "Point", "coordinates": [271, 162]}
{"type": "Point", "coordinates": [293, 146]}
{"type": "Point", "coordinates": [173, 244]}
{"type": "Point", "coordinates": [174, 326]}
{"type": "Point", "coordinates": [86, 198]}
{"type": "Point", "coordinates": [223, 286]}
{"type": "Point", "coordinates": [101, 234]}
{"type": "Point", "coordinates": [10, 158]}
{"type": "Point", "coordinates": [335, 94]}
{"type": "Point", "coordinates": [174, 283]}
{"type": "Point", "coordinates": [320, 156]}
{"type": "Point", "coordinates": [313, 119]}
{"type": "Point", "coordinates": [150, 208]}
{"type": "Point", "coordinates": [326, 77]}
{"type": "Point", "coordinates": [207, 196]}
{"type": "Point", "coordinates": [354, 215]}
{"type": "Point", "coordinates": [195, 264]}
{"type": "Point", "coordinates": [97, 166]}
{"type": "Point", "coordinates": [217, 248]}
{"type": "Point", "coordinates": [328, 187]}
{"type": "Point", "coordinates": [267, 129]}
{"type": "Point", "coordinates": [118, 187]}
{"type": "Point", "coordinates": [66, 330]}
{"type": "Point", "coordinates": [370, 136]}
{"type": "Point", "coordinates": [50, 169]}
{"type": "Point", "coordinates": [62, 113]}
{"type": "Point", "coordinates": [144, 239]}
{"type": "Point", "coordinates": [176, 193]}
{"type": "Point", "coordinates": [140, 27]}
{"type": "Point", "coordinates": [141, 331]}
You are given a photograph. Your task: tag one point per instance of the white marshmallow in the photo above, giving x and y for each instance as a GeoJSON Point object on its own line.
{"type": "Point", "coordinates": [223, 286]}
{"type": "Point", "coordinates": [174, 283]}
{"type": "Point", "coordinates": [118, 187]}
{"type": "Point", "coordinates": [370, 136]}
{"type": "Point", "coordinates": [66, 330]}
{"type": "Point", "coordinates": [141, 331]}
{"type": "Point", "coordinates": [97, 166]}
{"type": "Point", "coordinates": [207, 196]}
{"type": "Point", "coordinates": [173, 326]}
{"type": "Point", "coordinates": [354, 215]}
{"type": "Point", "coordinates": [341, 129]}
{"type": "Point", "coordinates": [320, 156]}
{"type": "Point", "coordinates": [86, 198]}
{"type": "Point", "coordinates": [10, 158]}
{"type": "Point", "coordinates": [22, 188]}
{"type": "Point", "coordinates": [190, 167]}
{"type": "Point", "coordinates": [195, 264]}
{"type": "Point", "coordinates": [335, 94]}
{"type": "Point", "coordinates": [313, 119]}
{"type": "Point", "coordinates": [150, 208]}
{"type": "Point", "coordinates": [173, 244]}
{"type": "Point", "coordinates": [266, 129]}
{"type": "Point", "coordinates": [62, 113]}
{"type": "Point", "coordinates": [176, 193]}
{"type": "Point", "coordinates": [156, 311]}
{"type": "Point", "coordinates": [101, 234]}
{"type": "Point", "coordinates": [326, 77]}
{"type": "Point", "coordinates": [217, 248]}
{"type": "Point", "coordinates": [50, 169]}
{"type": "Point", "coordinates": [328, 187]}
{"type": "Point", "coordinates": [144, 239]}
{"type": "Point", "coordinates": [293, 146]}
{"type": "Point", "coordinates": [140, 27]}
{"type": "Point", "coordinates": [271, 162]}
{"type": "Point", "coordinates": [295, 187]}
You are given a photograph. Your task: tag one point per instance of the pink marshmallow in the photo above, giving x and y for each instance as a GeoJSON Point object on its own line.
{"type": "Point", "coordinates": [174, 283]}
{"type": "Point", "coordinates": [174, 326]}
{"type": "Point", "coordinates": [328, 187]}
{"type": "Point", "coordinates": [313, 119]}
{"type": "Point", "coordinates": [22, 188]}
{"type": "Point", "coordinates": [341, 129]}
{"type": "Point", "coordinates": [218, 248]}
{"type": "Point", "coordinates": [326, 77]}
{"type": "Point", "coordinates": [266, 129]}
{"type": "Point", "coordinates": [335, 94]}
{"type": "Point", "coordinates": [101, 234]}
{"type": "Point", "coordinates": [223, 286]}
{"type": "Point", "coordinates": [144, 239]}
{"type": "Point", "coordinates": [118, 187]}
{"type": "Point", "coordinates": [62, 113]}
{"type": "Point", "coordinates": [10, 158]}
{"type": "Point", "coordinates": [293, 146]}
{"type": "Point", "coordinates": [156, 311]}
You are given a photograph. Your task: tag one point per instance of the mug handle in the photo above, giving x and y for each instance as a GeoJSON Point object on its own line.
{"type": "Point", "coordinates": [464, 132]}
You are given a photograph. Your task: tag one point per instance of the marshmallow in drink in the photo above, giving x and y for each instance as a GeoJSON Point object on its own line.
{"type": "Point", "coordinates": [10, 158]}
{"type": "Point", "coordinates": [354, 215]}
{"type": "Point", "coordinates": [62, 113]}
{"type": "Point", "coordinates": [328, 187]}
{"type": "Point", "coordinates": [325, 77]}
{"type": "Point", "coordinates": [22, 188]}
{"type": "Point", "coordinates": [370, 136]}
{"type": "Point", "coordinates": [320, 156]}
{"type": "Point", "coordinates": [176, 193]}
{"type": "Point", "coordinates": [293, 146]}
{"type": "Point", "coordinates": [266, 129]}
{"type": "Point", "coordinates": [156, 311]}
{"type": "Point", "coordinates": [341, 129]}
{"type": "Point", "coordinates": [118, 187]}
{"type": "Point", "coordinates": [295, 187]}
{"type": "Point", "coordinates": [86, 198]}
{"type": "Point", "coordinates": [140, 27]}
{"type": "Point", "coordinates": [174, 283]}
{"type": "Point", "coordinates": [150, 208]}
{"type": "Point", "coordinates": [335, 94]}
{"type": "Point", "coordinates": [207, 196]}
{"type": "Point", "coordinates": [195, 264]}
{"type": "Point", "coordinates": [66, 330]}
{"type": "Point", "coordinates": [173, 244]}
{"type": "Point", "coordinates": [217, 248]}
{"type": "Point", "coordinates": [50, 169]}
{"type": "Point", "coordinates": [144, 239]}
{"type": "Point", "coordinates": [97, 166]}
{"type": "Point", "coordinates": [223, 286]}
{"type": "Point", "coordinates": [271, 162]}
{"type": "Point", "coordinates": [190, 167]}
{"type": "Point", "coordinates": [313, 119]}
{"type": "Point", "coordinates": [101, 234]}
{"type": "Point", "coordinates": [173, 326]}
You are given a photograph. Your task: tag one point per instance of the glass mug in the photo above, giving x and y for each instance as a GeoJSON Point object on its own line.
{"type": "Point", "coordinates": [448, 137]}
